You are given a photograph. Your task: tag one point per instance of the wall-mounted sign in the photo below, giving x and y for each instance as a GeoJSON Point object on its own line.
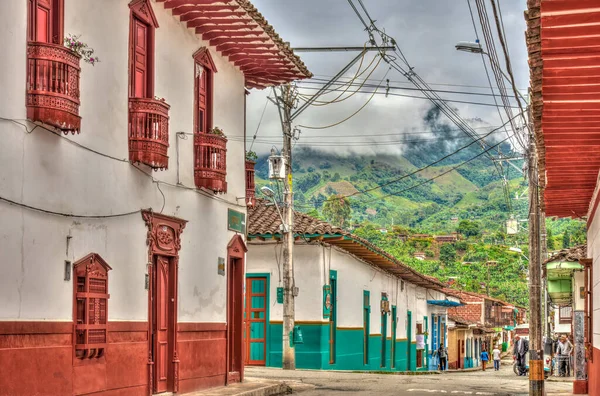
{"type": "Point", "coordinates": [221, 266]}
{"type": "Point", "coordinates": [280, 295]}
{"type": "Point", "coordinates": [236, 221]}
{"type": "Point", "coordinates": [327, 303]}
{"type": "Point", "coordinates": [420, 341]}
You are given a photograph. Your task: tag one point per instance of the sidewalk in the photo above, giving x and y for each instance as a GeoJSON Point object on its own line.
{"type": "Point", "coordinates": [250, 387]}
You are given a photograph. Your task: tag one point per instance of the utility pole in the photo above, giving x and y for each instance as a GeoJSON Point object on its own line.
{"type": "Point", "coordinates": [543, 258]}
{"type": "Point", "coordinates": [289, 309]}
{"type": "Point", "coordinates": [536, 349]}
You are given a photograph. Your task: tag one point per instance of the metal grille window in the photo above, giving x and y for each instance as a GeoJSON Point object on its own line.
{"type": "Point", "coordinates": [90, 307]}
{"type": "Point", "coordinates": [565, 315]}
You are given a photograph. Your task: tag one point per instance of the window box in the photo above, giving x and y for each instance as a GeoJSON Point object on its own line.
{"type": "Point", "coordinates": [149, 132]}
{"type": "Point", "coordinates": [210, 167]}
{"type": "Point", "coordinates": [250, 187]}
{"type": "Point", "coordinates": [53, 86]}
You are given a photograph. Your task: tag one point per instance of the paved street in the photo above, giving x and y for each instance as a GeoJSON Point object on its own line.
{"type": "Point", "coordinates": [313, 383]}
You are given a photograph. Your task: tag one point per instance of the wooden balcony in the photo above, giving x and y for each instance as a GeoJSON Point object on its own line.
{"type": "Point", "coordinates": [250, 187]}
{"type": "Point", "coordinates": [53, 86]}
{"type": "Point", "coordinates": [210, 162]}
{"type": "Point", "coordinates": [149, 132]}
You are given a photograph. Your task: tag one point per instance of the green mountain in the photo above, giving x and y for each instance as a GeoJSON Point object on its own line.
{"type": "Point", "coordinates": [417, 192]}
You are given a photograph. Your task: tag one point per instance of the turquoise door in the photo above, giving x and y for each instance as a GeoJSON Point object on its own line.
{"type": "Point", "coordinates": [333, 317]}
{"type": "Point", "coordinates": [366, 324]}
{"type": "Point", "coordinates": [256, 321]}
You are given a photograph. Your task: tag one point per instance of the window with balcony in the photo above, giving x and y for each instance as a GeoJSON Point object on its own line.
{"type": "Point", "coordinates": [148, 115]}
{"type": "Point", "coordinates": [210, 161]}
{"type": "Point", "coordinates": [90, 307]}
{"type": "Point", "coordinates": [52, 69]}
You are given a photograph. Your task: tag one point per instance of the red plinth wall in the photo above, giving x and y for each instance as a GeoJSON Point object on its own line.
{"type": "Point", "coordinates": [594, 374]}
{"type": "Point", "coordinates": [37, 358]}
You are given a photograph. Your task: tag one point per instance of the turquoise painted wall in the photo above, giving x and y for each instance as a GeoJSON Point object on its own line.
{"type": "Point", "coordinates": [314, 353]}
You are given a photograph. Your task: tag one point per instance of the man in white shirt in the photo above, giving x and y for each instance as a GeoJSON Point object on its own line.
{"type": "Point", "coordinates": [563, 350]}
{"type": "Point", "coordinates": [496, 357]}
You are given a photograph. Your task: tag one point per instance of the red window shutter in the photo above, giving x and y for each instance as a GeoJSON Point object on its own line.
{"type": "Point", "coordinates": [202, 77]}
{"type": "Point", "coordinates": [91, 307]}
{"type": "Point", "coordinates": [140, 59]}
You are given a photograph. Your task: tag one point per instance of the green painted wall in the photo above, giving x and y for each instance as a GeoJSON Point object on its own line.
{"type": "Point", "coordinates": [314, 353]}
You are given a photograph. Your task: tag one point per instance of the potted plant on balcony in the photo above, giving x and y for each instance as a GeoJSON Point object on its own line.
{"type": "Point", "coordinates": [82, 49]}
{"type": "Point", "coordinates": [217, 131]}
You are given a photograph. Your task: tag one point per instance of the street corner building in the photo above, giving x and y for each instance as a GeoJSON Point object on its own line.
{"type": "Point", "coordinates": [123, 191]}
{"type": "Point", "coordinates": [357, 307]}
{"type": "Point", "coordinates": [563, 43]}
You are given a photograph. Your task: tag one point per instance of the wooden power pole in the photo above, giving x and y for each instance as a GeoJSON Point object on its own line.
{"type": "Point", "coordinates": [536, 349]}
{"type": "Point", "coordinates": [289, 353]}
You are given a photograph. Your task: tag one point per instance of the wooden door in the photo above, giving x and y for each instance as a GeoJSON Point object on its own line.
{"type": "Point", "coordinates": [235, 316]}
{"type": "Point", "coordinates": [41, 13]}
{"type": "Point", "coordinates": [458, 351]}
{"type": "Point", "coordinates": [256, 321]}
{"type": "Point", "coordinates": [409, 337]}
{"type": "Point", "coordinates": [162, 329]}
{"type": "Point", "coordinates": [202, 98]}
{"type": "Point", "coordinates": [333, 317]}
{"type": "Point", "coordinates": [139, 67]}
{"type": "Point", "coordinates": [419, 351]}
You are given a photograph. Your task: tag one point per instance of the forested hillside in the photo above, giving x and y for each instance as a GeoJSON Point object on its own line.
{"type": "Point", "coordinates": [381, 197]}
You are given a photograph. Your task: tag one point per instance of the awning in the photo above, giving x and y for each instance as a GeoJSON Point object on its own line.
{"type": "Point", "coordinates": [444, 303]}
{"type": "Point", "coordinates": [509, 328]}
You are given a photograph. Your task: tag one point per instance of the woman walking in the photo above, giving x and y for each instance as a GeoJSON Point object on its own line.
{"type": "Point", "coordinates": [484, 358]}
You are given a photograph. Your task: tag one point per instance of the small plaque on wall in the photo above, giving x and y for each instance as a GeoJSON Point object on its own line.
{"type": "Point", "coordinates": [221, 266]}
{"type": "Point", "coordinates": [236, 221]}
{"type": "Point", "coordinates": [280, 295]}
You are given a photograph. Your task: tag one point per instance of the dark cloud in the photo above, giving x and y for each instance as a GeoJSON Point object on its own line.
{"type": "Point", "coordinates": [425, 30]}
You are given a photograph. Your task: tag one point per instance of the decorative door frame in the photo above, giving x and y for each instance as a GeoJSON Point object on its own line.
{"type": "Point", "coordinates": [163, 239]}
{"type": "Point", "coordinates": [236, 249]}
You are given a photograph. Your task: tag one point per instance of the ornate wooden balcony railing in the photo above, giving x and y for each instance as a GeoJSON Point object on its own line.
{"type": "Point", "coordinates": [53, 86]}
{"type": "Point", "coordinates": [149, 132]}
{"type": "Point", "coordinates": [210, 162]}
{"type": "Point", "coordinates": [250, 187]}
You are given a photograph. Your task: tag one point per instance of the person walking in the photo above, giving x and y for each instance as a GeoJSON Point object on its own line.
{"type": "Point", "coordinates": [484, 358]}
{"type": "Point", "coordinates": [521, 347]}
{"type": "Point", "coordinates": [496, 355]}
{"type": "Point", "coordinates": [563, 350]}
{"type": "Point", "coordinates": [443, 356]}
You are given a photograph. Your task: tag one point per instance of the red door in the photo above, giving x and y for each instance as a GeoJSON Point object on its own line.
{"type": "Point", "coordinates": [235, 306]}
{"type": "Point", "coordinates": [162, 329]}
{"type": "Point", "coordinates": [140, 59]}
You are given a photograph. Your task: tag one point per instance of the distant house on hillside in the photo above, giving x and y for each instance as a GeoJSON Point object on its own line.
{"type": "Point", "coordinates": [371, 212]}
{"type": "Point", "coordinates": [419, 255]}
{"type": "Point", "coordinates": [447, 238]}
{"type": "Point", "coordinates": [420, 236]}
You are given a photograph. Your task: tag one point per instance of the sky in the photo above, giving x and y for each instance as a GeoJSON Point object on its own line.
{"type": "Point", "coordinates": [425, 30]}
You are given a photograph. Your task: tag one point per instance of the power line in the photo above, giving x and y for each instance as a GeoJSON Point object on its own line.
{"type": "Point", "coordinates": [321, 81]}
{"type": "Point", "coordinates": [421, 97]}
{"type": "Point", "coordinates": [67, 214]}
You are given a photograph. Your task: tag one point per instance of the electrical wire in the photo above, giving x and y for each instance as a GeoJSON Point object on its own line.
{"type": "Point", "coordinates": [259, 122]}
{"type": "Point", "coordinates": [421, 97]}
{"type": "Point", "coordinates": [351, 115]}
{"type": "Point", "coordinates": [152, 178]}
{"type": "Point", "coordinates": [22, 205]}
{"type": "Point", "coordinates": [422, 168]}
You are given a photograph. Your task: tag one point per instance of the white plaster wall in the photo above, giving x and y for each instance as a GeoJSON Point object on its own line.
{"type": "Point", "coordinates": [593, 242]}
{"type": "Point", "coordinates": [308, 269]}
{"type": "Point", "coordinates": [312, 264]}
{"type": "Point", "coordinates": [47, 171]}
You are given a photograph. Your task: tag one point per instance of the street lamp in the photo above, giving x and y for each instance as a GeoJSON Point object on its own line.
{"type": "Point", "coordinates": [476, 48]}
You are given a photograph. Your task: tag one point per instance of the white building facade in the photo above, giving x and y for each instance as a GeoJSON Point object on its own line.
{"type": "Point", "coordinates": [116, 273]}
{"type": "Point", "coordinates": [353, 313]}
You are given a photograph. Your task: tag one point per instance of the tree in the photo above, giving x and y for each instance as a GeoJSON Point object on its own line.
{"type": "Point", "coordinates": [336, 177]}
{"type": "Point", "coordinates": [337, 210]}
{"type": "Point", "coordinates": [566, 239]}
{"type": "Point", "coordinates": [550, 243]}
{"type": "Point", "coordinates": [468, 228]}
{"type": "Point", "coordinates": [447, 254]}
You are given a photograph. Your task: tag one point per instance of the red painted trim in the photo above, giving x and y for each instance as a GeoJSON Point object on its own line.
{"type": "Point", "coordinates": [189, 327]}
{"type": "Point", "coordinates": [236, 249]}
{"type": "Point", "coordinates": [593, 373]}
{"type": "Point", "coordinates": [10, 328]}
{"type": "Point", "coordinates": [127, 326]}
{"type": "Point", "coordinates": [164, 239]}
